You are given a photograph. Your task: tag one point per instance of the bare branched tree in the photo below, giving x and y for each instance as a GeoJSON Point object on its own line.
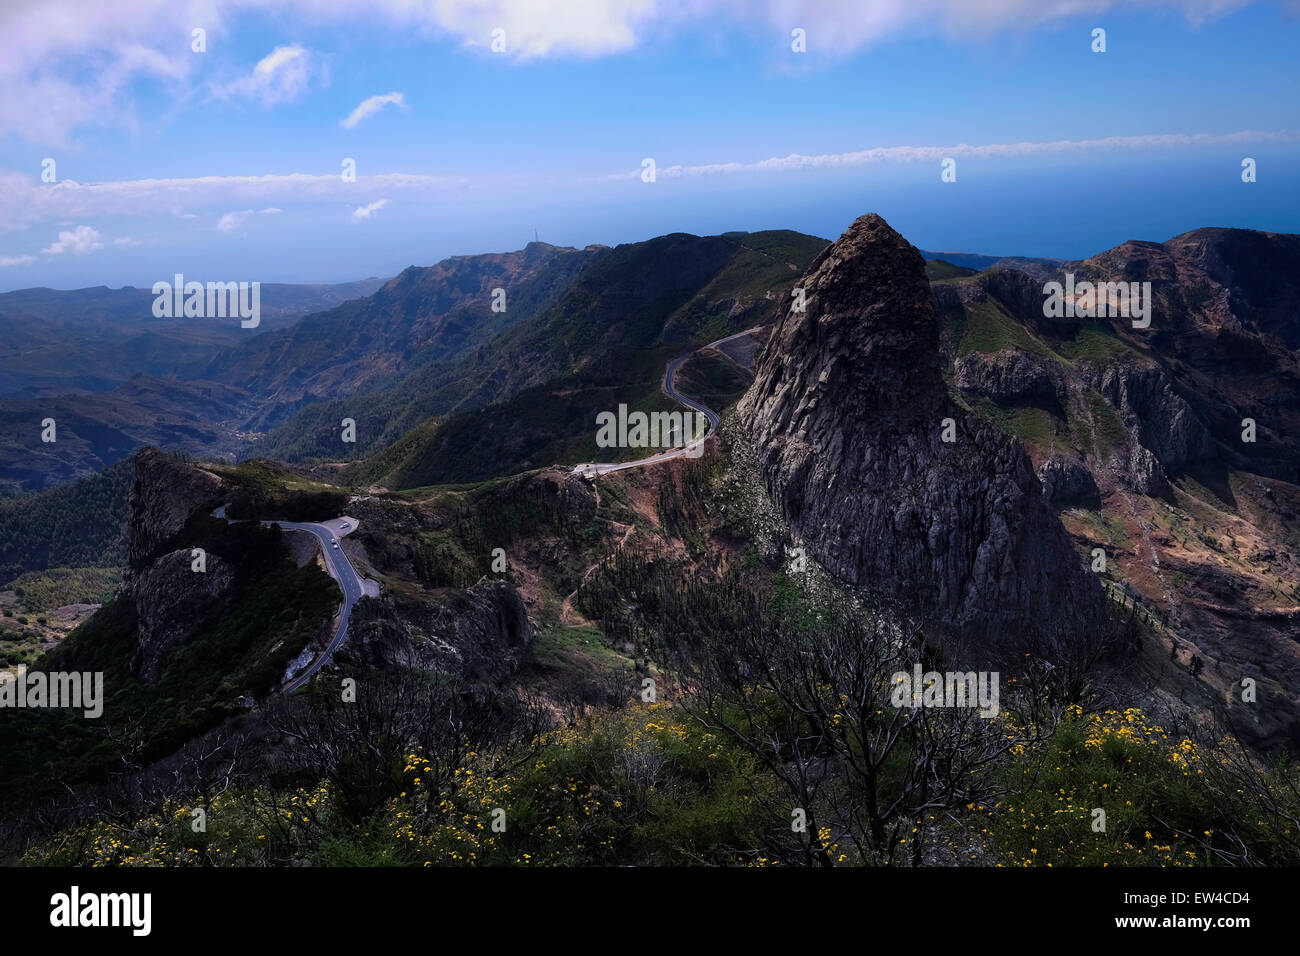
{"type": "Point", "coordinates": [361, 746]}
{"type": "Point", "coordinates": [810, 695]}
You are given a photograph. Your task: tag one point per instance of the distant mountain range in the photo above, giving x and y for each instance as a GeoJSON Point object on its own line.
{"type": "Point", "coordinates": [971, 260]}
{"type": "Point", "coordinates": [113, 376]}
{"type": "Point", "coordinates": [54, 341]}
{"type": "Point", "coordinates": [405, 354]}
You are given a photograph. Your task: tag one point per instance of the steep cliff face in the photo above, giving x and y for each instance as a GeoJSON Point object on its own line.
{"type": "Point", "coordinates": [1066, 481]}
{"type": "Point", "coordinates": [847, 414]}
{"type": "Point", "coordinates": [1224, 327]}
{"type": "Point", "coordinates": [1140, 439]}
{"type": "Point", "coordinates": [170, 598]}
{"type": "Point", "coordinates": [1011, 376]}
{"type": "Point", "coordinates": [1157, 416]}
{"type": "Point", "coordinates": [165, 494]}
{"type": "Point", "coordinates": [480, 633]}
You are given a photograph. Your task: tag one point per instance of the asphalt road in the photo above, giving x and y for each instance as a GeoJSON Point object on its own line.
{"type": "Point", "coordinates": [340, 569]}
{"type": "Point", "coordinates": [591, 469]}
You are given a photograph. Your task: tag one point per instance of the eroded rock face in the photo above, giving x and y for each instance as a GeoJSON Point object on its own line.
{"type": "Point", "coordinates": [168, 595]}
{"type": "Point", "coordinates": [1154, 413]}
{"type": "Point", "coordinates": [1137, 469]}
{"type": "Point", "coordinates": [164, 495]}
{"type": "Point", "coordinates": [480, 633]}
{"type": "Point", "coordinates": [847, 414]}
{"type": "Point", "coordinates": [1066, 481]}
{"type": "Point", "coordinates": [169, 598]}
{"type": "Point", "coordinates": [1011, 375]}
{"type": "Point", "coordinates": [1225, 329]}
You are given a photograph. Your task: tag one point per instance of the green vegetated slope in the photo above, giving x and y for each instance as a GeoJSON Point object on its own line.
{"type": "Point", "coordinates": [713, 379]}
{"type": "Point", "coordinates": [372, 359]}
{"type": "Point", "coordinates": [453, 544]}
{"type": "Point", "coordinates": [239, 645]}
{"type": "Point", "coordinates": [39, 607]}
{"type": "Point", "coordinates": [260, 489]}
{"type": "Point", "coordinates": [56, 587]}
{"type": "Point", "coordinates": [605, 342]}
{"type": "Point", "coordinates": [424, 312]}
{"type": "Point", "coordinates": [81, 524]}
{"type": "Point", "coordinates": [97, 430]}
{"type": "Point", "coordinates": [936, 270]}
{"type": "Point", "coordinates": [988, 327]}
{"type": "Point", "coordinates": [56, 341]}
{"type": "Point", "coordinates": [701, 775]}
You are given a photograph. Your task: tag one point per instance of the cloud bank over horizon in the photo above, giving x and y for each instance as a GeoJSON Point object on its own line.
{"type": "Point", "coordinates": [271, 134]}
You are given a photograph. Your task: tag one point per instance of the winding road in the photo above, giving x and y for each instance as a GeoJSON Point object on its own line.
{"type": "Point", "coordinates": [592, 469]}
{"type": "Point", "coordinates": [340, 569]}
{"type": "Point", "coordinates": [354, 586]}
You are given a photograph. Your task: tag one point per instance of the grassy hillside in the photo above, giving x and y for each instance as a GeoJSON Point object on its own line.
{"type": "Point", "coordinates": [38, 591]}
{"type": "Point", "coordinates": [936, 270]}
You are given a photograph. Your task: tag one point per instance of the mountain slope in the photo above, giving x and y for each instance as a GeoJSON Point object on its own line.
{"type": "Point", "coordinates": [531, 399]}
{"type": "Point", "coordinates": [1137, 435]}
{"type": "Point", "coordinates": [53, 341]}
{"type": "Point", "coordinates": [421, 316]}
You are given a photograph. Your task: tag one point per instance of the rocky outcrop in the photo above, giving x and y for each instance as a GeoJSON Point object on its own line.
{"type": "Point", "coordinates": [1157, 417]}
{"type": "Point", "coordinates": [165, 494]}
{"type": "Point", "coordinates": [1010, 375]}
{"type": "Point", "coordinates": [480, 633]}
{"type": "Point", "coordinates": [1066, 481]}
{"type": "Point", "coordinates": [1167, 434]}
{"type": "Point", "coordinates": [1137, 469]}
{"type": "Point", "coordinates": [1258, 270]}
{"type": "Point", "coordinates": [1224, 327]}
{"type": "Point", "coordinates": [1017, 291]}
{"type": "Point", "coordinates": [847, 416]}
{"type": "Point", "coordinates": [169, 598]}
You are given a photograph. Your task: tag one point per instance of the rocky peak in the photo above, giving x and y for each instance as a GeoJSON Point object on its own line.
{"type": "Point", "coordinates": [1259, 270]}
{"type": "Point", "coordinates": [164, 495]}
{"type": "Point", "coordinates": [858, 332]}
{"type": "Point", "coordinates": [847, 414]}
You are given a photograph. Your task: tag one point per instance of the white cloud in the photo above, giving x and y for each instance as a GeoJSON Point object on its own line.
{"type": "Point", "coordinates": [127, 241]}
{"type": "Point", "coordinates": [25, 201]}
{"type": "Point", "coordinates": [69, 63]}
{"type": "Point", "coordinates": [279, 77]}
{"type": "Point", "coordinates": [539, 28]}
{"type": "Point", "coordinates": [838, 27]}
{"type": "Point", "coordinates": [79, 241]}
{"type": "Point", "coordinates": [233, 220]}
{"type": "Point", "coordinates": [371, 105]}
{"type": "Point", "coordinates": [912, 154]}
{"type": "Point", "coordinates": [365, 212]}
{"type": "Point", "coordinates": [16, 260]}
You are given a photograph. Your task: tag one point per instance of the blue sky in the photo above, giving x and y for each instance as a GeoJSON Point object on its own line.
{"type": "Point", "coordinates": [168, 160]}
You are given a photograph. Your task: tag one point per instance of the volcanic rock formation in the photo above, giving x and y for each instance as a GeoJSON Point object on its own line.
{"type": "Point", "coordinates": [849, 412]}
